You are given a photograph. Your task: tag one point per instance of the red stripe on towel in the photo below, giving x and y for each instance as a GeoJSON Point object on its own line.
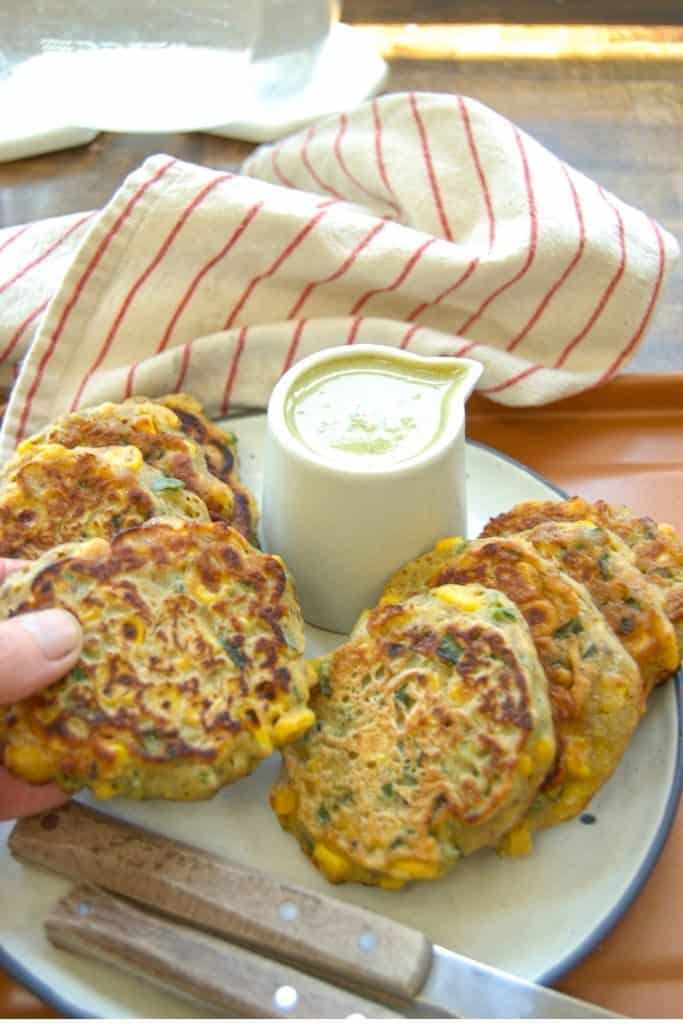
{"type": "Point", "coordinates": [232, 372]}
{"type": "Point", "coordinates": [569, 269]}
{"type": "Point", "coordinates": [275, 265]}
{"type": "Point", "coordinates": [339, 272]}
{"type": "Point", "coordinates": [398, 280]}
{"type": "Point", "coordinates": [626, 351]}
{"type": "Point", "coordinates": [379, 156]}
{"type": "Point", "coordinates": [16, 337]}
{"type": "Point", "coordinates": [329, 189]}
{"type": "Point", "coordinates": [465, 114]}
{"type": "Point", "coordinates": [431, 174]}
{"type": "Point", "coordinates": [83, 280]}
{"type": "Point", "coordinates": [343, 124]}
{"type": "Point", "coordinates": [235, 236]}
{"type": "Point", "coordinates": [13, 238]}
{"type": "Point", "coordinates": [531, 245]}
{"type": "Point", "coordinates": [447, 291]}
{"type": "Point", "coordinates": [512, 380]}
{"type": "Point", "coordinates": [144, 276]}
{"type": "Point", "coordinates": [291, 351]}
{"type": "Point", "coordinates": [604, 299]}
{"type": "Point", "coordinates": [44, 255]}
{"type": "Point", "coordinates": [355, 326]}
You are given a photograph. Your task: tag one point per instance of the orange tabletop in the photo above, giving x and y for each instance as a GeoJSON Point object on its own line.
{"type": "Point", "coordinates": [600, 84]}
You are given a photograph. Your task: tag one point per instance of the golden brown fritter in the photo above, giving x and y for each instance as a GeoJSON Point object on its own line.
{"type": "Point", "coordinates": [153, 429]}
{"type": "Point", "coordinates": [657, 549]}
{"type": "Point", "coordinates": [55, 494]}
{"type": "Point", "coordinates": [633, 607]}
{"type": "Point", "coordinates": [433, 733]}
{"type": "Point", "coordinates": [192, 668]}
{"type": "Point", "coordinates": [596, 690]}
{"type": "Point", "coordinates": [220, 450]}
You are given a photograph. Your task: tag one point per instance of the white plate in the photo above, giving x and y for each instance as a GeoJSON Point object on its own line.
{"type": "Point", "coordinates": [535, 916]}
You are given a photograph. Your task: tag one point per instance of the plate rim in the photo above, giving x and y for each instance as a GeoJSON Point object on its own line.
{"type": "Point", "coordinates": [50, 997]}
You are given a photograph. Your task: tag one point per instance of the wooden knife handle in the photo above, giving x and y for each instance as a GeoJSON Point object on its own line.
{"type": "Point", "coordinates": [286, 922]}
{"type": "Point", "coordinates": [208, 970]}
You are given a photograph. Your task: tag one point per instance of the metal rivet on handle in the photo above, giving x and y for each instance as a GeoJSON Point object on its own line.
{"type": "Point", "coordinates": [367, 941]}
{"type": "Point", "coordinates": [288, 911]}
{"type": "Point", "coordinates": [285, 998]}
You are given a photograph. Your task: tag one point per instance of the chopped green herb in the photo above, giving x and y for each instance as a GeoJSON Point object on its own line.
{"type": "Point", "coordinates": [323, 815]}
{"type": "Point", "coordinates": [627, 625]}
{"type": "Point", "coordinates": [450, 650]}
{"type": "Point", "coordinates": [236, 655]}
{"type": "Point", "coordinates": [167, 483]}
{"type": "Point", "coordinates": [78, 674]}
{"type": "Point", "coordinates": [603, 562]}
{"type": "Point", "coordinates": [567, 628]}
{"type": "Point", "coordinates": [179, 586]}
{"type": "Point", "coordinates": [388, 789]}
{"type": "Point", "coordinates": [590, 651]}
{"type": "Point", "coordinates": [501, 614]}
{"type": "Point", "coordinates": [633, 602]}
{"type": "Point", "coordinates": [116, 522]}
{"type": "Point", "coordinates": [403, 697]}
{"type": "Point", "coordinates": [324, 680]}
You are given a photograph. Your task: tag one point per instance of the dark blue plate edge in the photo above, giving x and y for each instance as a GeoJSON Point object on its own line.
{"type": "Point", "coordinates": [51, 998]}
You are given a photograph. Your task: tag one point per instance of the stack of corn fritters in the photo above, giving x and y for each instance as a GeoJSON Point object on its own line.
{"type": "Point", "coordinates": [491, 693]}
{"type": "Point", "coordinates": [192, 667]}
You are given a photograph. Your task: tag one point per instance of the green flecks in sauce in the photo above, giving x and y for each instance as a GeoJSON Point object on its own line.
{"type": "Point", "coordinates": [371, 409]}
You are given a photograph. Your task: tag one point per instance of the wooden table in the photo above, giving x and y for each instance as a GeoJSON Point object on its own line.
{"type": "Point", "coordinates": [617, 118]}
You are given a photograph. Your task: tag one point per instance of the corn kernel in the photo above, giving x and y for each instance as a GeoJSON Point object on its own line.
{"type": "Point", "coordinates": [545, 748]}
{"type": "Point", "coordinates": [290, 727]}
{"type": "Point", "coordinates": [202, 593]}
{"type": "Point", "coordinates": [411, 868]}
{"type": "Point", "coordinates": [33, 763]}
{"type": "Point", "coordinates": [451, 593]}
{"type": "Point", "coordinates": [134, 629]}
{"type": "Point", "coordinates": [284, 800]}
{"type": "Point", "coordinates": [89, 614]}
{"type": "Point", "coordinates": [334, 866]}
{"type": "Point", "coordinates": [516, 843]}
{"type": "Point", "coordinates": [577, 758]}
{"type": "Point", "coordinates": [526, 765]}
{"type": "Point", "coordinates": [387, 882]}
{"type": "Point", "coordinates": [448, 544]}
{"type": "Point", "coordinates": [262, 737]}
{"type": "Point", "coordinates": [103, 790]}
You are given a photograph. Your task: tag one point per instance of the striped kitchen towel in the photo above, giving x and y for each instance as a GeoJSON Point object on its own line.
{"type": "Point", "coordinates": [421, 221]}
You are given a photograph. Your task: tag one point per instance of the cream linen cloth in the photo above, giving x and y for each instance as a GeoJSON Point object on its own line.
{"type": "Point", "coordinates": [421, 221]}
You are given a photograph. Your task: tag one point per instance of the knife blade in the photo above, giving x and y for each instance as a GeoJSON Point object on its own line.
{"type": "Point", "coordinates": [318, 934]}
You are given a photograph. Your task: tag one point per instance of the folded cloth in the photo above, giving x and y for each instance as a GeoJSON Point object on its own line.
{"type": "Point", "coordinates": [419, 221]}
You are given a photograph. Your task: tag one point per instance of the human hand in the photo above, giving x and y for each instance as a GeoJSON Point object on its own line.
{"type": "Point", "coordinates": [36, 649]}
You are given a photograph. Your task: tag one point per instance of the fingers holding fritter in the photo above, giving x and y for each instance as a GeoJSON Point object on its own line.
{"type": "Point", "coordinates": [192, 666]}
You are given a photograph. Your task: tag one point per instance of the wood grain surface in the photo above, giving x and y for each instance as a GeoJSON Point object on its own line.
{"type": "Point", "coordinates": [620, 122]}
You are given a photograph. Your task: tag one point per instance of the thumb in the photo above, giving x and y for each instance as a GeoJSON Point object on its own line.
{"type": "Point", "coordinates": [36, 649]}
